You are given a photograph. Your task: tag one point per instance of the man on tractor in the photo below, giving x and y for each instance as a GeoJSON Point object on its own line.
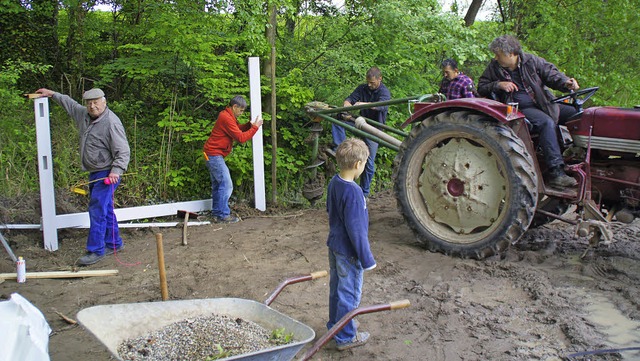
{"type": "Point", "coordinates": [523, 78]}
{"type": "Point", "coordinates": [455, 84]}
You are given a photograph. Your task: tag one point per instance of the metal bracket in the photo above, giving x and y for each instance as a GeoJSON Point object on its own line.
{"type": "Point", "coordinates": [598, 230]}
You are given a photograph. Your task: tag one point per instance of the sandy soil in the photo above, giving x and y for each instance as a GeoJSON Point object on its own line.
{"type": "Point", "coordinates": [540, 301]}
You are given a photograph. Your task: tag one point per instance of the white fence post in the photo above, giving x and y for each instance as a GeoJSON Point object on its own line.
{"type": "Point", "coordinates": [258, 150]}
{"type": "Point", "coordinates": [45, 170]}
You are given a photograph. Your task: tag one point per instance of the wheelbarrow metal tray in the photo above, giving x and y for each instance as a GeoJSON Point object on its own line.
{"type": "Point", "coordinates": [113, 324]}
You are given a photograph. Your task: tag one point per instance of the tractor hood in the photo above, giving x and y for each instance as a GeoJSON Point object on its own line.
{"type": "Point", "coordinates": [612, 129]}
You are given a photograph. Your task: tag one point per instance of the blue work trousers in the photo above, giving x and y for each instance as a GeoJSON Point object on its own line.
{"type": "Point", "coordinates": [103, 228]}
{"type": "Point", "coordinates": [339, 135]}
{"type": "Point", "coordinates": [221, 186]}
{"type": "Point", "coordinates": [544, 125]}
{"type": "Point", "coordinates": [345, 290]}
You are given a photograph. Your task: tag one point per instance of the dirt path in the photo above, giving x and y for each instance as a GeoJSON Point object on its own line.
{"type": "Point", "coordinates": [540, 302]}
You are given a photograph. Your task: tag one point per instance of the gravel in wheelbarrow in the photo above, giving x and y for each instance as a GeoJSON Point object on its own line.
{"type": "Point", "coordinates": [115, 324]}
{"type": "Point", "coordinates": [208, 338]}
{"type": "Point", "coordinates": [122, 324]}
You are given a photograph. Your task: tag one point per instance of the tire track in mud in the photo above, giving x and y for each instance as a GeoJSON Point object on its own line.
{"type": "Point", "coordinates": [529, 305]}
{"type": "Point", "coordinates": [598, 279]}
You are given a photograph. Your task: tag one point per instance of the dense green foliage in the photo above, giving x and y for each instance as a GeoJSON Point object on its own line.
{"type": "Point", "coordinates": [169, 67]}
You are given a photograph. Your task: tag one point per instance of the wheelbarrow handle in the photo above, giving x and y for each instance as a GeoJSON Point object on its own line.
{"type": "Point", "coordinates": [319, 274]}
{"type": "Point", "coordinates": [292, 280]}
{"type": "Point", "coordinates": [396, 305]}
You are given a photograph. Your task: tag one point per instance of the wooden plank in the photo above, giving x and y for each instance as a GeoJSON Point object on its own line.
{"type": "Point", "coordinates": [81, 220]}
{"type": "Point", "coordinates": [121, 225]}
{"type": "Point", "coordinates": [62, 274]}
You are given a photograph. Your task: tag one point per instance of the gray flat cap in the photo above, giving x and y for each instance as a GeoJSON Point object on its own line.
{"type": "Point", "coordinates": [94, 93]}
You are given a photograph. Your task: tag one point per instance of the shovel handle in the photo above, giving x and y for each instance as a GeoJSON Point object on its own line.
{"type": "Point", "coordinates": [292, 280]}
{"type": "Point", "coordinates": [347, 318]}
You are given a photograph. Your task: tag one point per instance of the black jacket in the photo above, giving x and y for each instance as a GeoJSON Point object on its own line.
{"type": "Point", "coordinates": [537, 74]}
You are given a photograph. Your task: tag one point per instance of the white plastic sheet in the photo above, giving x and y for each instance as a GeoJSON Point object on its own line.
{"type": "Point", "coordinates": [24, 332]}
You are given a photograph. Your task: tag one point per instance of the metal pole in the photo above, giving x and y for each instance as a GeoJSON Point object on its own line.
{"type": "Point", "coordinates": [386, 127]}
{"type": "Point", "coordinates": [370, 105]}
{"type": "Point", "coordinates": [8, 249]}
{"type": "Point", "coordinates": [314, 154]}
{"type": "Point", "coordinates": [359, 132]}
{"type": "Point", "coordinates": [361, 124]}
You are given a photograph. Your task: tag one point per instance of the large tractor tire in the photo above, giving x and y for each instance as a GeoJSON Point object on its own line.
{"type": "Point", "coordinates": [465, 184]}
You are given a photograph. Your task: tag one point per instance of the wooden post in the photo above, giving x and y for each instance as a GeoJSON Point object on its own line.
{"type": "Point", "coordinates": [163, 276]}
{"type": "Point", "coordinates": [184, 228]}
{"type": "Point", "coordinates": [274, 130]}
{"type": "Point", "coordinates": [61, 274]}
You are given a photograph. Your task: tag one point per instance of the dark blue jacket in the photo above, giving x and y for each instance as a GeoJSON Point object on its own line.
{"type": "Point", "coordinates": [364, 94]}
{"type": "Point", "coordinates": [349, 221]}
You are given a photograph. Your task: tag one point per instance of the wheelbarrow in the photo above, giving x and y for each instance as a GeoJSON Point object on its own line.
{"type": "Point", "coordinates": [114, 324]}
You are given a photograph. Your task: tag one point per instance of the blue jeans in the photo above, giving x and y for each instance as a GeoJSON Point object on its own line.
{"type": "Point", "coordinates": [345, 290]}
{"type": "Point", "coordinates": [103, 228]}
{"type": "Point", "coordinates": [544, 125]}
{"type": "Point", "coordinates": [221, 186]}
{"type": "Point", "coordinates": [339, 135]}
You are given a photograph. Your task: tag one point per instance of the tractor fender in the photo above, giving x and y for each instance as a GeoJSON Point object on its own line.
{"type": "Point", "coordinates": [491, 108]}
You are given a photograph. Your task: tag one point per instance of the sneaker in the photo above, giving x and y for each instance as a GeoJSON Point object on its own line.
{"type": "Point", "coordinates": [109, 250]}
{"type": "Point", "coordinates": [560, 179]}
{"type": "Point", "coordinates": [360, 339]}
{"type": "Point", "coordinates": [89, 259]}
{"type": "Point", "coordinates": [228, 219]}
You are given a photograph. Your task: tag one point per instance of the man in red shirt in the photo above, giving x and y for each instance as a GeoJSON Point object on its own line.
{"type": "Point", "coordinates": [219, 145]}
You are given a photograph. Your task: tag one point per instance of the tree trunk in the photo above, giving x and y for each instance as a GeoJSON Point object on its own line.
{"type": "Point", "coordinates": [273, 20]}
{"type": "Point", "coordinates": [74, 46]}
{"type": "Point", "coordinates": [470, 18]}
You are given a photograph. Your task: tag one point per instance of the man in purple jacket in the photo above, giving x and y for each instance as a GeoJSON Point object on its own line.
{"type": "Point", "coordinates": [455, 84]}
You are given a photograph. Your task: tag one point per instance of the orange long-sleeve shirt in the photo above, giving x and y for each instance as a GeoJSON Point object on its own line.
{"type": "Point", "coordinates": [225, 131]}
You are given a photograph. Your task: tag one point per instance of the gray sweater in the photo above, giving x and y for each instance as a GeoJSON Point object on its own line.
{"type": "Point", "coordinates": [103, 141]}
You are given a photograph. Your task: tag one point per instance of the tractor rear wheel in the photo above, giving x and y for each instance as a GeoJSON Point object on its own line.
{"type": "Point", "coordinates": [465, 184]}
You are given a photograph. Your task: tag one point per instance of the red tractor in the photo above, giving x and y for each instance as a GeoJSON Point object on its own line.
{"type": "Point", "coordinates": [469, 178]}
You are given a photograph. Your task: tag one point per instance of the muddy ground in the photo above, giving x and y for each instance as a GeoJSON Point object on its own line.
{"type": "Point", "coordinates": [540, 301]}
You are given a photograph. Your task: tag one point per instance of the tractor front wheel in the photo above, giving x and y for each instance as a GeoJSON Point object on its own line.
{"type": "Point", "coordinates": [465, 184]}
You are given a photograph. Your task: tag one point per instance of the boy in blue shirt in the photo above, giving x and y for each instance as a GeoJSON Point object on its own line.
{"type": "Point", "coordinates": [348, 241]}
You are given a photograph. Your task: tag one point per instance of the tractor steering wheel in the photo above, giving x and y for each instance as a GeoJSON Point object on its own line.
{"type": "Point", "coordinates": [577, 102]}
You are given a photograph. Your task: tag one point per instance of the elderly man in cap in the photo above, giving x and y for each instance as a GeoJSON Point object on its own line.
{"type": "Point", "coordinates": [104, 152]}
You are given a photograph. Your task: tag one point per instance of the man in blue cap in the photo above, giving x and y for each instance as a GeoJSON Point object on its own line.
{"type": "Point", "coordinates": [104, 153]}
